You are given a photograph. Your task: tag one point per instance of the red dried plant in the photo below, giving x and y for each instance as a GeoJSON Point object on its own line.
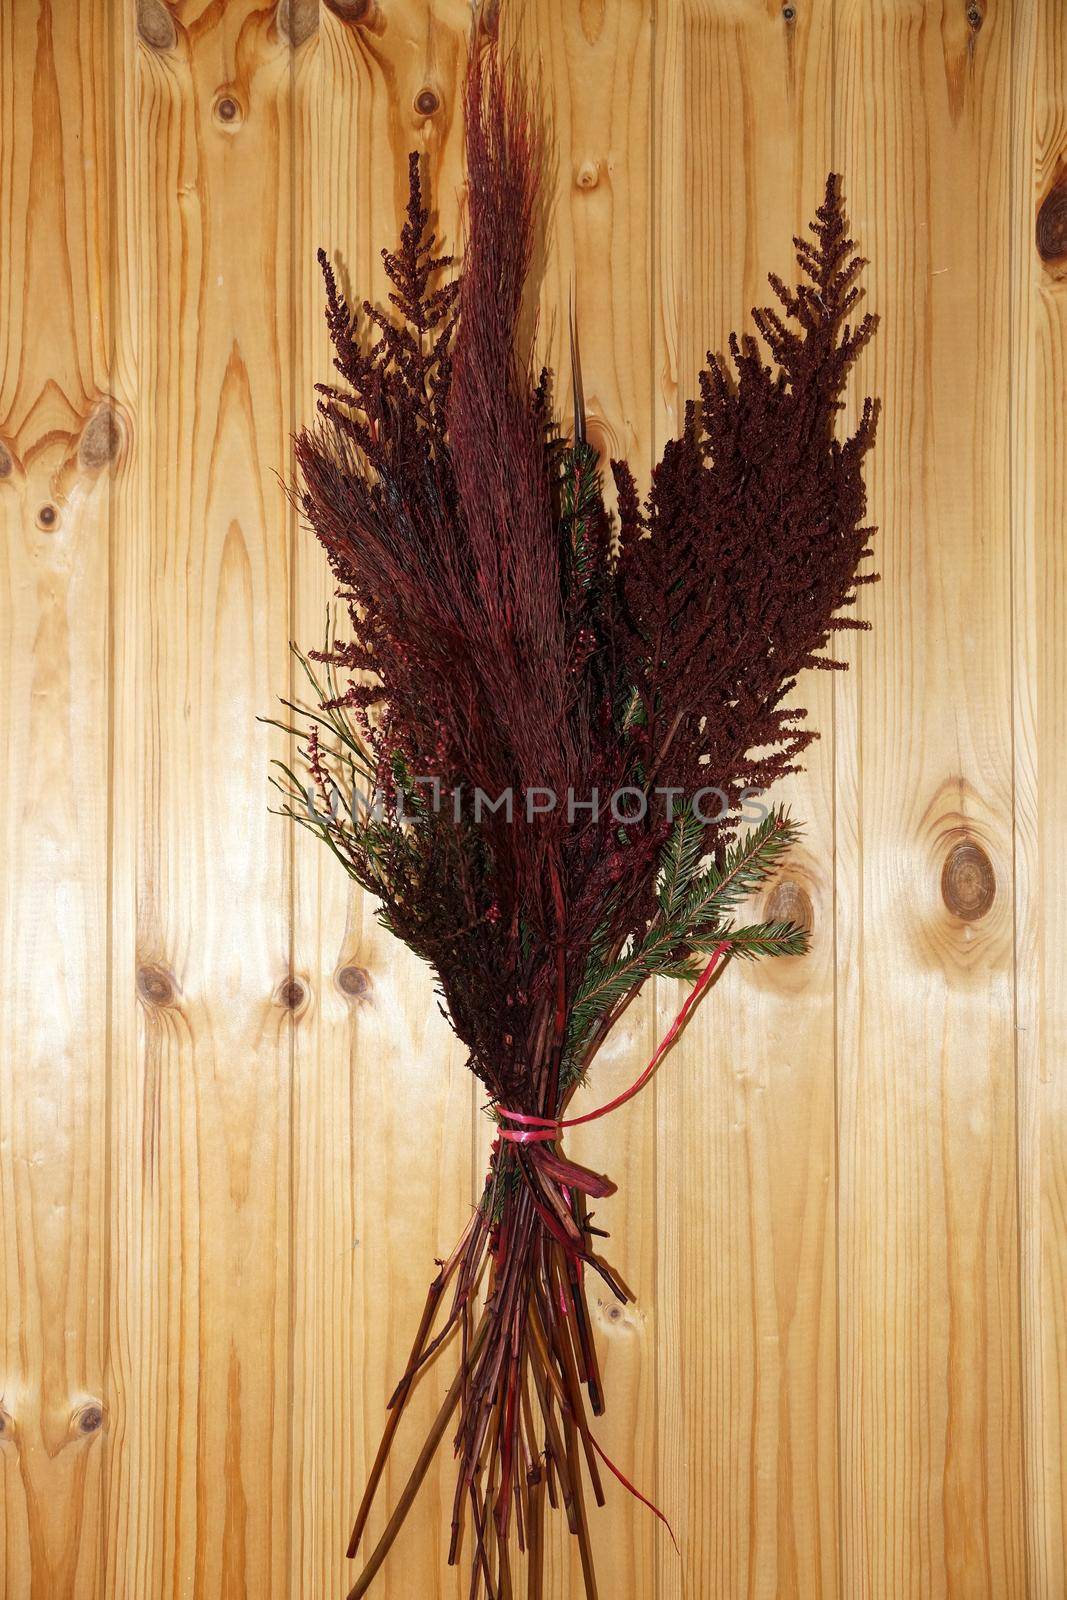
{"type": "Point", "coordinates": [509, 638]}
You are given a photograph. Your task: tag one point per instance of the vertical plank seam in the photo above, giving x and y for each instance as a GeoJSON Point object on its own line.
{"type": "Point", "coordinates": [1016, 153]}
{"type": "Point", "coordinates": [290, 828]}
{"type": "Point", "coordinates": [653, 1355]}
{"type": "Point", "coordinates": [112, 55]}
{"type": "Point", "coordinates": [839, 1488]}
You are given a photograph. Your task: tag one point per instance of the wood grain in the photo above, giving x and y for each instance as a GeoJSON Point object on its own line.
{"type": "Point", "coordinates": [234, 1130]}
{"type": "Point", "coordinates": [746, 1103]}
{"type": "Point", "coordinates": [1039, 506]}
{"type": "Point", "coordinates": [383, 1104]}
{"type": "Point", "coordinates": [56, 453]}
{"type": "Point", "coordinates": [928, 1287]}
{"type": "Point", "coordinates": [200, 1221]}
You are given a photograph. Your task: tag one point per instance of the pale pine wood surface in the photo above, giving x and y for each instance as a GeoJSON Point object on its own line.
{"type": "Point", "coordinates": [199, 1268]}
{"type": "Point", "coordinates": [1039, 515]}
{"type": "Point", "coordinates": [746, 1108]}
{"type": "Point", "coordinates": [234, 1129]}
{"type": "Point", "coordinates": [383, 1104]}
{"type": "Point", "coordinates": [57, 441]}
{"type": "Point", "coordinates": [929, 1377]}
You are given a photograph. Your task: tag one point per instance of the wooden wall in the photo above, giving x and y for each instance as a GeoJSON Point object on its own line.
{"type": "Point", "coordinates": [234, 1130]}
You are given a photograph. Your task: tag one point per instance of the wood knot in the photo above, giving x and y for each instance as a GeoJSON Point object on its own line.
{"type": "Point", "coordinates": [600, 437]}
{"type": "Point", "coordinates": [968, 882]}
{"type": "Point", "coordinates": [228, 110]}
{"type": "Point", "coordinates": [155, 25]}
{"type": "Point", "coordinates": [297, 20]}
{"type": "Point", "coordinates": [291, 994]}
{"type": "Point", "coordinates": [48, 517]}
{"type": "Point", "coordinates": [588, 175]}
{"type": "Point", "coordinates": [615, 1317]}
{"type": "Point", "coordinates": [789, 902]}
{"type": "Point", "coordinates": [101, 439]}
{"type": "Point", "coordinates": [1052, 222]}
{"type": "Point", "coordinates": [155, 986]}
{"type": "Point", "coordinates": [789, 13]}
{"type": "Point", "coordinates": [88, 1419]}
{"type": "Point", "coordinates": [350, 10]}
{"type": "Point", "coordinates": [353, 981]}
{"type": "Point", "coordinates": [7, 1425]}
{"type": "Point", "coordinates": [427, 101]}
{"type": "Point", "coordinates": [6, 463]}
{"type": "Point", "coordinates": [975, 17]}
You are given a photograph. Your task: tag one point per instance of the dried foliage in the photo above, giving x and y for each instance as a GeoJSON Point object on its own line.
{"type": "Point", "coordinates": [509, 637]}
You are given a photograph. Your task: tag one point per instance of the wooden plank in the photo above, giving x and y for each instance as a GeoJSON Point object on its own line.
{"type": "Point", "coordinates": [1039, 506]}
{"type": "Point", "coordinates": [199, 1275]}
{"type": "Point", "coordinates": [746, 1102]}
{"type": "Point", "coordinates": [231, 1141]}
{"type": "Point", "coordinates": [58, 443]}
{"type": "Point", "coordinates": [382, 1107]}
{"type": "Point", "coordinates": [930, 1361]}
{"type": "Point", "coordinates": [595, 65]}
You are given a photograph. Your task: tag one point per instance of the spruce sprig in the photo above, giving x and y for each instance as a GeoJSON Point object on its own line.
{"type": "Point", "coordinates": [681, 858]}
{"type": "Point", "coordinates": [692, 920]}
{"type": "Point", "coordinates": [749, 862]}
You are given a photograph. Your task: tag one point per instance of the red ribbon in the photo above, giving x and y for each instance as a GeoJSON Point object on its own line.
{"type": "Point", "coordinates": [540, 1130]}
{"type": "Point", "coordinates": [624, 1480]}
{"type": "Point", "coordinates": [537, 1130]}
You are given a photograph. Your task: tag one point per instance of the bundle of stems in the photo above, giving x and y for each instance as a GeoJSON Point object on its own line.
{"type": "Point", "coordinates": [513, 750]}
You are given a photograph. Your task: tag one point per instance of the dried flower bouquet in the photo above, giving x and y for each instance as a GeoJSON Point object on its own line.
{"type": "Point", "coordinates": [535, 701]}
